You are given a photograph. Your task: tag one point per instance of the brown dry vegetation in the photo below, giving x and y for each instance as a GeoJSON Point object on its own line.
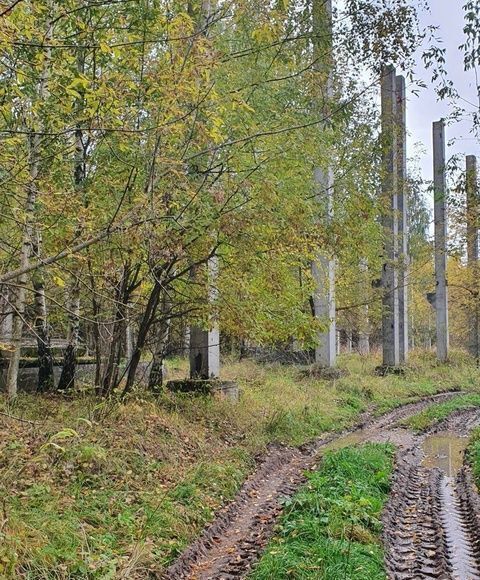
{"type": "Point", "coordinates": [110, 490]}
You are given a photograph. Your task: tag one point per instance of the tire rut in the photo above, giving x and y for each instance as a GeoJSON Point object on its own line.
{"type": "Point", "coordinates": [412, 531]}
{"type": "Point", "coordinates": [232, 543]}
{"type": "Point", "coordinates": [432, 519]}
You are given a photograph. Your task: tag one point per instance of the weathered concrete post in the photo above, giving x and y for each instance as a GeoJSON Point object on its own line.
{"type": "Point", "coordinates": [471, 188]}
{"type": "Point", "coordinates": [323, 271]}
{"type": "Point", "coordinates": [323, 268]}
{"type": "Point", "coordinates": [440, 206]}
{"type": "Point", "coordinates": [349, 345]}
{"type": "Point", "coordinates": [402, 218]}
{"type": "Point", "coordinates": [390, 331]}
{"type": "Point", "coordinates": [205, 344]}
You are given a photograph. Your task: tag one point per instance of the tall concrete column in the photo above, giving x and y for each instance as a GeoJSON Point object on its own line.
{"type": "Point", "coordinates": [205, 344]}
{"type": "Point", "coordinates": [323, 268]}
{"type": "Point", "coordinates": [401, 127]}
{"type": "Point", "coordinates": [323, 271]}
{"type": "Point", "coordinates": [349, 344]}
{"type": "Point", "coordinates": [390, 326]}
{"type": "Point", "coordinates": [440, 211]}
{"type": "Point", "coordinates": [471, 182]}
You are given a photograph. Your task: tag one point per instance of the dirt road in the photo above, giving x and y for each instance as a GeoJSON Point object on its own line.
{"type": "Point", "coordinates": [229, 547]}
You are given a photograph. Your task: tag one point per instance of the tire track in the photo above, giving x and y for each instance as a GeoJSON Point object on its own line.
{"type": "Point", "coordinates": [432, 520]}
{"type": "Point", "coordinates": [229, 547]}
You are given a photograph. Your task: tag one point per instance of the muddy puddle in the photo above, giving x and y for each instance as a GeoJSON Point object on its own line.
{"type": "Point", "coordinates": [350, 440]}
{"type": "Point", "coordinates": [444, 451]}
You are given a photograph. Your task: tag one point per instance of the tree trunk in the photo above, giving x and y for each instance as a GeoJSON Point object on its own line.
{"type": "Point", "coordinates": [143, 329]}
{"type": "Point", "coordinates": [28, 227]}
{"type": "Point", "coordinates": [95, 326]}
{"type": "Point", "coordinates": [110, 376]}
{"type": "Point", "coordinates": [128, 339]}
{"type": "Point", "coordinates": [67, 378]}
{"type": "Point", "coordinates": [156, 377]}
{"type": "Point", "coordinates": [42, 331]}
{"type": "Point", "coordinates": [5, 315]}
{"type": "Point", "coordinates": [19, 303]}
{"type": "Point", "coordinates": [363, 314]}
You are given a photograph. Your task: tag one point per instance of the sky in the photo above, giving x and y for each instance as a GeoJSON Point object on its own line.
{"type": "Point", "coordinates": [425, 108]}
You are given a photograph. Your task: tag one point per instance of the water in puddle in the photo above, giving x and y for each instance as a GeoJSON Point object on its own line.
{"type": "Point", "coordinates": [347, 441]}
{"type": "Point", "coordinates": [445, 451]}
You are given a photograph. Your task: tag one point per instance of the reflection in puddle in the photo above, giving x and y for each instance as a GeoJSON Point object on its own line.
{"type": "Point", "coordinates": [445, 451]}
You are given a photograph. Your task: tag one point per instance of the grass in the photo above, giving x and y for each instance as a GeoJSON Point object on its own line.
{"type": "Point", "coordinates": [108, 490]}
{"type": "Point", "coordinates": [436, 412]}
{"type": "Point", "coordinates": [473, 454]}
{"type": "Point", "coordinates": [331, 528]}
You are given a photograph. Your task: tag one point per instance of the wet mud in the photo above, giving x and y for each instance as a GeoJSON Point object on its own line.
{"type": "Point", "coordinates": [233, 542]}
{"type": "Point", "coordinates": [432, 520]}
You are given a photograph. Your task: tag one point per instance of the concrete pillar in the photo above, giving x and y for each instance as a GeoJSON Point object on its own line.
{"type": "Point", "coordinates": [323, 268]}
{"type": "Point", "coordinates": [402, 218]}
{"type": "Point", "coordinates": [363, 343]}
{"type": "Point", "coordinates": [349, 345]}
{"type": "Point", "coordinates": [323, 271]}
{"type": "Point", "coordinates": [472, 209]}
{"type": "Point", "coordinates": [205, 344]}
{"type": "Point", "coordinates": [390, 327]}
{"type": "Point", "coordinates": [440, 207]}
{"type": "Point", "coordinates": [204, 358]}
{"type": "Point", "coordinates": [471, 187]}
{"type": "Point", "coordinates": [186, 341]}
{"type": "Point", "coordinates": [363, 314]}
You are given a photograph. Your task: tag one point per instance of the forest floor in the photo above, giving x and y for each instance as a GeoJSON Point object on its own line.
{"type": "Point", "coordinates": [107, 490]}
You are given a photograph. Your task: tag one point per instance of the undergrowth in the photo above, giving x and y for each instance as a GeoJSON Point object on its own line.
{"type": "Point", "coordinates": [331, 528]}
{"type": "Point", "coordinates": [439, 411]}
{"type": "Point", "coordinates": [108, 490]}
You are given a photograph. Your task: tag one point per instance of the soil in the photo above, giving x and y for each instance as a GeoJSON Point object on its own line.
{"type": "Point", "coordinates": [432, 520]}
{"type": "Point", "coordinates": [233, 542]}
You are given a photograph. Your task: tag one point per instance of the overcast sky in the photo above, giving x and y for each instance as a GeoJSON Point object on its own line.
{"type": "Point", "coordinates": [424, 109]}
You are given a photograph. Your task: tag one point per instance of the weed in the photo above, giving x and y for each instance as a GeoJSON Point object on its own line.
{"type": "Point", "coordinates": [436, 412]}
{"type": "Point", "coordinates": [331, 528]}
{"type": "Point", "coordinates": [473, 454]}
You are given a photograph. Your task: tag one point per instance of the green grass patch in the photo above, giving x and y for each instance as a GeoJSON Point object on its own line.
{"type": "Point", "coordinates": [331, 529]}
{"type": "Point", "coordinates": [439, 411]}
{"type": "Point", "coordinates": [473, 454]}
